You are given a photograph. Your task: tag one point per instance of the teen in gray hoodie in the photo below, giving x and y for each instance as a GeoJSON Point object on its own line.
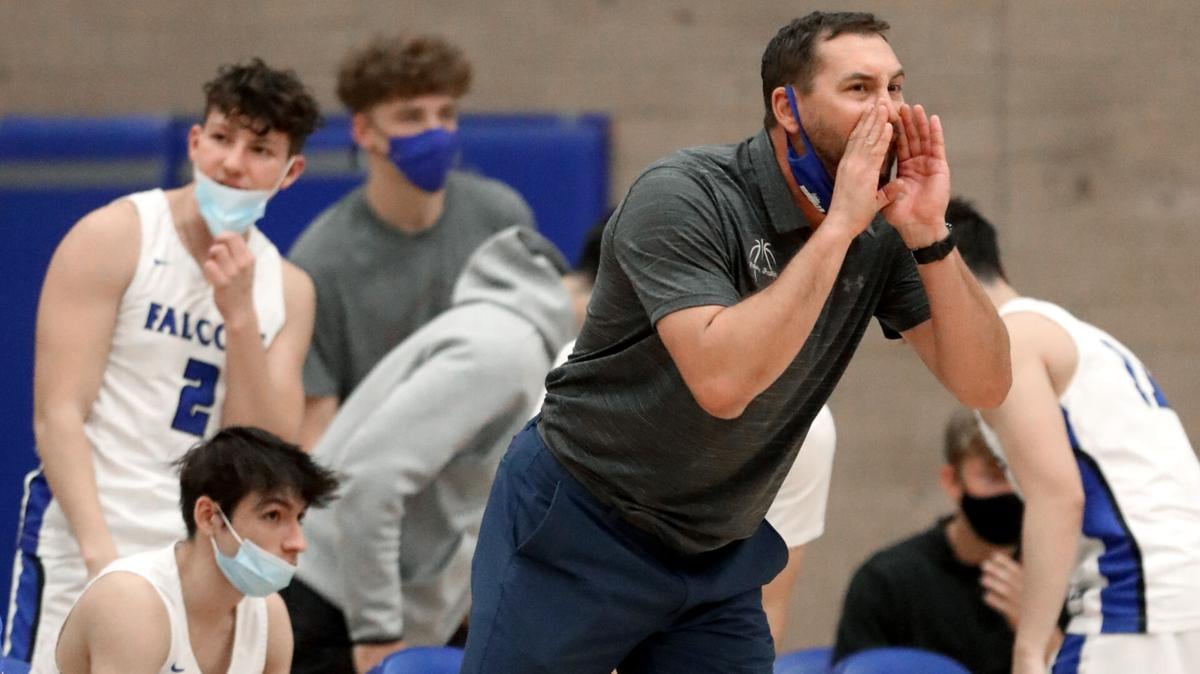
{"type": "Point", "coordinates": [417, 445]}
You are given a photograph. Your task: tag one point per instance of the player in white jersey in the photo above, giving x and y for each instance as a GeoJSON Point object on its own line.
{"type": "Point", "coordinates": [208, 603]}
{"type": "Point", "coordinates": [163, 317]}
{"type": "Point", "coordinates": [1111, 487]}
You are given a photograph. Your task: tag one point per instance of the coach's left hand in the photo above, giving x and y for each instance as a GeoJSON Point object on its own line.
{"type": "Point", "coordinates": [918, 195]}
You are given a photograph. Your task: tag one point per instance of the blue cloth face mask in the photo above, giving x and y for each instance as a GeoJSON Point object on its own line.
{"type": "Point", "coordinates": [425, 158]}
{"type": "Point", "coordinates": [253, 571]}
{"type": "Point", "coordinates": [809, 172]}
{"type": "Point", "coordinates": [229, 209]}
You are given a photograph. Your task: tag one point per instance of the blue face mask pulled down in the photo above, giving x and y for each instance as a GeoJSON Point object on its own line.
{"type": "Point", "coordinates": [425, 158]}
{"type": "Point", "coordinates": [253, 571]}
{"type": "Point", "coordinates": [809, 172]}
{"type": "Point", "coordinates": [229, 209]}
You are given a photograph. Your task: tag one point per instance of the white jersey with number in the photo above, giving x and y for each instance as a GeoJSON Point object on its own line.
{"type": "Point", "coordinates": [1139, 556]}
{"type": "Point", "coordinates": [163, 384]}
{"type": "Point", "coordinates": [159, 568]}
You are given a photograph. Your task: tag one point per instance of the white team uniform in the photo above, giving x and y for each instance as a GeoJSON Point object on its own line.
{"type": "Point", "coordinates": [162, 391]}
{"type": "Point", "coordinates": [1135, 592]}
{"type": "Point", "coordinates": [798, 511]}
{"type": "Point", "coordinates": [159, 568]}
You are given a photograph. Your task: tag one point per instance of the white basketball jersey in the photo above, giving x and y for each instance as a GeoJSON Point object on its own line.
{"type": "Point", "coordinates": [1139, 556]}
{"type": "Point", "coordinates": [798, 511]}
{"type": "Point", "coordinates": [163, 386]}
{"type": "Point", "coordinates": [159, 568]}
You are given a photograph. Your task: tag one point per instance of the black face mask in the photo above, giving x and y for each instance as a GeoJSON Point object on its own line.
{"type": "Point", "coordinates": [997, 519]}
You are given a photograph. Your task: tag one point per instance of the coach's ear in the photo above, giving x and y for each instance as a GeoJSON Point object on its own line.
{"type": "Point", "coordinates": [781, 108]}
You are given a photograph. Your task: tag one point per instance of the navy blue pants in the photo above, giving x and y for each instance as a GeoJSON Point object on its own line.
{"type": "Point", "coordinates": [561, 583]}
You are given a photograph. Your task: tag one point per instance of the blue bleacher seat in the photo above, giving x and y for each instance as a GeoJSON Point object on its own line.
{"type": "Point", "coordinates": [898, 661]}
{"type": "Point", "coordinates": [422, 660]}
{"type": "Point", "coordinates": [807, 661]}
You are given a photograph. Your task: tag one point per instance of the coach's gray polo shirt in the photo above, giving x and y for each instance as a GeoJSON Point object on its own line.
{"type": "Point", "coordinates": [708, 225]}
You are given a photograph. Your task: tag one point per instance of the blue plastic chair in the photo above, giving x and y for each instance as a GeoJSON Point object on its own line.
{"type": "Point", "coordinates": [422, 660]}
{"type": "Point", "coordinates": [898, 661]}
{"type": "Point", "coordinates": [10, 666]}
{"type": "Point", "coordinates": [807, 661]}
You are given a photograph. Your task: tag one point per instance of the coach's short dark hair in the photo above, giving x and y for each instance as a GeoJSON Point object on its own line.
{"type": "Point", "coordinates": [976, 239]}
{"type": "Point", "coordinates": [264, 99]}
{"type": "Point", "coordinates": [401, 66]}
{"type": "Point", "coordinates": [241, 460]}
{"type": "Point", "coordinates": [790, 57]}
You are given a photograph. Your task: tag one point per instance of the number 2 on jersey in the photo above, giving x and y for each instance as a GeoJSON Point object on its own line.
{"type": "Point", "coordinates": [196, 399]}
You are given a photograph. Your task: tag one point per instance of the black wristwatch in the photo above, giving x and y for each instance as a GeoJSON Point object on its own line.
{"type": "Point", "coordinates": [936, 250]}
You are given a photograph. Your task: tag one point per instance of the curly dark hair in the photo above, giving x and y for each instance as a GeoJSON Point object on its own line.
{"type": "Point", "coordinates": [242, 460]}
{"type": "Point", "coordinates": [789, 57]}
{"type": "Point", "coordinates": [388, 68]}
{"type": "Point", "coordinates": [264, 99]}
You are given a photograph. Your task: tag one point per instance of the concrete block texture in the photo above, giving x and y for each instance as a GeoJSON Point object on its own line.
{"type": "Point", "coordinates": [1071, 124]}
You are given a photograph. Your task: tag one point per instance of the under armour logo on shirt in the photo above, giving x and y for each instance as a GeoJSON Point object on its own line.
{"type": "Point", "coordinates": [849, 284]}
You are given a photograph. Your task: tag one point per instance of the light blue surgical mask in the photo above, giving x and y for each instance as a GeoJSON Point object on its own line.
{"type": "Point", "coordinates": [810, 174]}
{"type": "Point", "coordinates": [425, 158]}
{"type": "Point", "coordinates": [253, 571]}
{"type": "Point", "coordinates": [229, 209]}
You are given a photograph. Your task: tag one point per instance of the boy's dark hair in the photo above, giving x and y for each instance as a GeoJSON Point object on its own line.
{"type": "Point", "coordinates": [589, 255]}
{"type": "Point", "coordinates": [388, 68]}
{"type": "Point", "coordinates": [976, 240]}
{"type": "Point", "coordinates": [964, 439]}
{"type": "Point", "coordinates": [790, 56]}
{"type": "Point", "coordinates": [241, 460]}
{"type": "Point", "coordinates": [264, 100]}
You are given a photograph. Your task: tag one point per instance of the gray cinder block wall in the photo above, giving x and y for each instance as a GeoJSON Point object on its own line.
{"type": "Point", "coordinates": [1073, 125]}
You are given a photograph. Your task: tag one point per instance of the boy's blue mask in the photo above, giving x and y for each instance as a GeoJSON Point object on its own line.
{"type": "Point", "coordinates": [425, 158]}
{"type": "Point", "coordinates": [810, 174]}
{"type": "Point", "coordinates": [229, 209]}
{"type": "Point", "coordinates": [253, 571]}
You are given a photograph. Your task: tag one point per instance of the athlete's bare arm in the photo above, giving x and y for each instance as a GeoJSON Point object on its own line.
{"type": "Point", "coordinates": [118, 626]}
{"type": "Point", "coordinates": [1033, 434]}
{"type": "Point", "coordinates": [279, 637]}
{"type": "Point", "coordinates": [264, 386]}
{"type": "Point", "coordinates": [77, 313]}
{"type": "Point", "coordinates": [707, 343]}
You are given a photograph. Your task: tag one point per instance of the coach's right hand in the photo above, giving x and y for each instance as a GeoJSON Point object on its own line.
{"type": "Point", "coordinates": [856, 194]}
